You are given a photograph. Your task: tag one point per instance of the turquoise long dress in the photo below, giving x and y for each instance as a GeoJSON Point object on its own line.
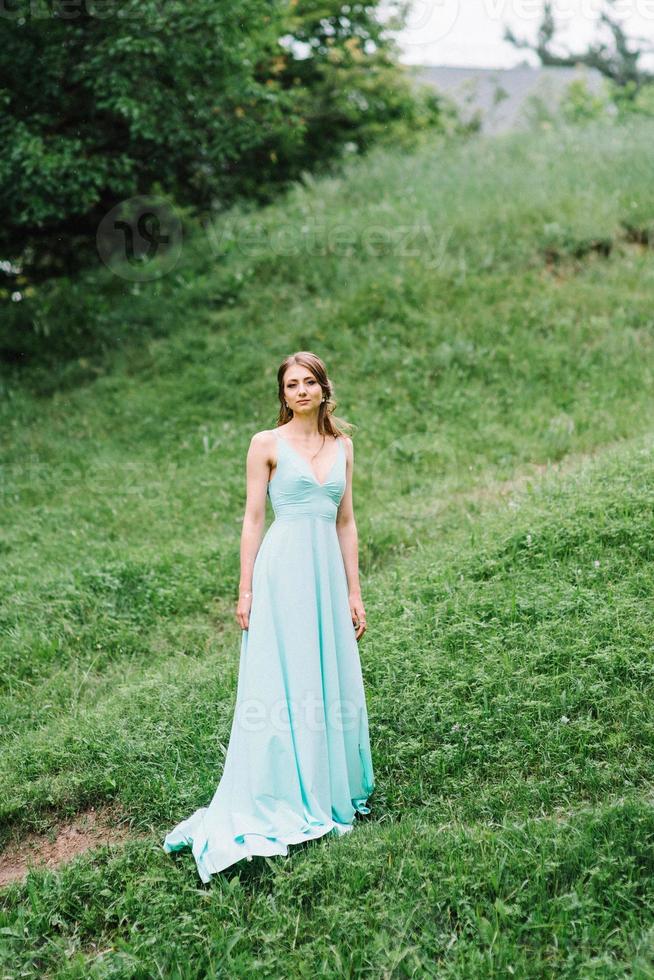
{"type": "Point", "coordinates": [298, 763]}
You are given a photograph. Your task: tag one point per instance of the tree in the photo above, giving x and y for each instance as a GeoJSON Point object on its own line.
{"type": "Point", "coordinates": [618, 62]}
{"type": "Point", "coordinates": [200, 100]}
{"type": "Point", "coordinates": [95, 109]}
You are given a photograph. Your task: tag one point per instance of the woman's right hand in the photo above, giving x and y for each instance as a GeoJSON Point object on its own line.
{"type": "Point", "coordinates": [243, 611]}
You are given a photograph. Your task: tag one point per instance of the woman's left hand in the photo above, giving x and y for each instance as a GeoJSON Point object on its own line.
{"type": "Point", "coordinates": [358, 615]}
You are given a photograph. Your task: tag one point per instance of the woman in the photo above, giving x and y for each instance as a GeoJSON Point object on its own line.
{"type": "Point", "coordinates": [298, 762]}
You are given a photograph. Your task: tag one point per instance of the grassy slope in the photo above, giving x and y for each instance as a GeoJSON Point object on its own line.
{"type": "Point", "coordinates": [508, 657]}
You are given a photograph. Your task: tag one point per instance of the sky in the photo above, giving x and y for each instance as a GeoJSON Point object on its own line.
{"type": "Point", "coordinates": [469, 32]}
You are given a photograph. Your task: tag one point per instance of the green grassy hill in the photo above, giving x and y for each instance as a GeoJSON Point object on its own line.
{"type": "Point", "coordinates": [491, 335]}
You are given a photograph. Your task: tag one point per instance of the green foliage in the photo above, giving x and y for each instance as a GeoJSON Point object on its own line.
{"type": "Point", "coordinates": [632, 99]}
{"type": "Point", "coordinates": [580, 105]}
{"type": "Point", "coordinates": [505, 206]}
{"type": "Point", "coordinates": [197, 98]}
{"type": "Point", "coordinates": [149, 92]}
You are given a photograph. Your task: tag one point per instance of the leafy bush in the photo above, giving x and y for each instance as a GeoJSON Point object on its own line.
{"type": "Point", "coordinates": [206, 101]}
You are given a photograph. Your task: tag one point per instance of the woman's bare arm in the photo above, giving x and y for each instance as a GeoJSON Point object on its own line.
{"type": "Point", "coordinates": [348, 537]}
{"type": "Point", "coordinates": [257, 472]}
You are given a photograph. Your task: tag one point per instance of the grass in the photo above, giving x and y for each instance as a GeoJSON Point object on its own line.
{"type": "Point", "coordinates": [501, 384]}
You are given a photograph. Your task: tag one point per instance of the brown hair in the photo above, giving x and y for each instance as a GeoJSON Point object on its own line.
{"type": "Point", "coordinates": [327, 422]}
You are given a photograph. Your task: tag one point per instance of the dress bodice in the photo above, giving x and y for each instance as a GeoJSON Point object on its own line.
{"type": "Point", "coordinates": [294, 490]}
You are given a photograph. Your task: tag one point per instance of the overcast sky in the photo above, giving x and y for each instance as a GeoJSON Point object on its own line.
{"type": "Point", "coordinates": [469, 32]}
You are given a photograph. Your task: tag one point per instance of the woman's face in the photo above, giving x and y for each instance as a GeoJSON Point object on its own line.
{"type": "Point", "coordinates": [301, 390]}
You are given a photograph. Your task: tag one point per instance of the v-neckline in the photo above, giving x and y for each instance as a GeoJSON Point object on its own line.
{"type": "Point", "coordinates": [308, 464]}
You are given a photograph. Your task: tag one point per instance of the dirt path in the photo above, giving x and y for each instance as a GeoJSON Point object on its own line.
{"type": "Point", "coordinates": [64, 842]}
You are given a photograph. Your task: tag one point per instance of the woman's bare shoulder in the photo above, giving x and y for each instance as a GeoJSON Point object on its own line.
{"type": "Point", "coordinates": [264, 436]}
{"type": "Point", "coordinates": [349, 446]}
{"type": "Point", "coordinates": [264, 442]}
